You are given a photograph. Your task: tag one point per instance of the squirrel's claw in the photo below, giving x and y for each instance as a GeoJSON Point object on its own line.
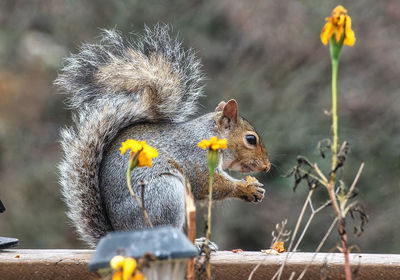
{"type": "Point", "coordinates": [259, 195]}
{"type": "Point", "coordinates": [251, 190]}
{"type": "Point", "coordinates": [200, 243]}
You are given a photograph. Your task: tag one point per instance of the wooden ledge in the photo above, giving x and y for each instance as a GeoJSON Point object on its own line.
{"type": "Point", "coordinates": [45, 264]}
{"type": "Point", "coordinates": [72, 264]}
{"type": "Point", "coordinates": [228, 265]}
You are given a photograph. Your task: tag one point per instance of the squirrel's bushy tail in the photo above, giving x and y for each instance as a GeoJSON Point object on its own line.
{"type": "Point", "coordinates": [112, 85]}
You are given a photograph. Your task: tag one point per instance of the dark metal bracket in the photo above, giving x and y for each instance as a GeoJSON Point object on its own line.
{"type": "Point", "coordinates": [6, 242]}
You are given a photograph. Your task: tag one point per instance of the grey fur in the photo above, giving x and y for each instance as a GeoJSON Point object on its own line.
{"type": "Point", "coordinates": [164, 189]}
{"type": "Point", "coordinates": [103, 111]}
{"type": "Point", "coordinates": [144, 90]}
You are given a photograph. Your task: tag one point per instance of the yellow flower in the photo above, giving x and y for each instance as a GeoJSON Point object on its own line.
{"type": "Point", "coordinates": [138, 276]}
{"type": "Point", "coordinates": [145, 152]}
{"type": "Point", "coordinates": [146, 155]}
{"type": "Point", "coordinates": [117, 262]}
{"type": "Point", "coordinates": [117, 275]}
{"type": "Point", "coordinates": [124, 268]}
{"type": "Point", "coordinates": [133, 145]}
{"type": "Point", "coordinates": [339, 23]}
{"type": "Point", "coordinates": [214, 143]}
{"type": "Point", "coordinates": [128, 268]}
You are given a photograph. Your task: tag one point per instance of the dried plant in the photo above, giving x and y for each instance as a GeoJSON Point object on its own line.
{"type": "Point", "coordinates": [338, 32]}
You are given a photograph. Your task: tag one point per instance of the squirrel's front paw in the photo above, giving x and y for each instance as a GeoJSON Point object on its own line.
{"type": "Point", "coordinates": [250, 190]}
{"type": "Point", "coordinates": [201, 245]}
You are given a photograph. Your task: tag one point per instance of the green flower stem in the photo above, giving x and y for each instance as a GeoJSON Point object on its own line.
{"type": "Point", "coordinates": [132, 164]}
{"type": "Point", "coordinates": [335, 52]}
{"type": "Point", "coordinates": [212, 157]}
{"type": "Point", "coordinates": [335, 66]}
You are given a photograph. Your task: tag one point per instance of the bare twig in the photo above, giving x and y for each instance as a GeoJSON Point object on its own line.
{"type": "Point", "coordinates": [128, 180]}
{"type": "Point", "coordinates": [256, 267]}
{"type": "Point", "coordinates": [342, 231]}
{"type": "Point", "coordinates": [282, 234]}
{"type": "Point", "coordinates": [320, 174]}
{"type": "Point", "coordinates": [353, 185]}
{"type": "Point", "coordinates": [313, 213]}
{"type": "Point", "coordinates": [142, 184]}
{"type": "Point", "coordinates": [318, 248]}
{"type": "Point", "coordinates": [314, 177]}
{"type": "Point", "coordinates": [191, 226]}
{"type": "Point", "coordinates": [299, 220]}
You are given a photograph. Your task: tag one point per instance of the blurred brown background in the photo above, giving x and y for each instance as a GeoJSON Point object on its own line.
{"type": "Point", "coordinates": [266, 54]}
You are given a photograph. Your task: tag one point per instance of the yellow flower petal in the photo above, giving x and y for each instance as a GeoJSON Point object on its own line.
{"type": "Point", "coordinates": [132, 145]}
{"type": "Point", "coordinates": [204, 144]}
{"type": "Point", "coordinates": [138, 276]}
{"type": "Point", "coordinates": [326, 32]}
{"type": "Point", "coordinates": [128, 268]}
{"type": "Point", "coordinates": [117, 262]}
{"type": "Point", "coordinates": [341, 20]}
{"type": "Point", "coordinates": [146, 152]}
{"type": "Point", "coordinates": [337, 12]}
{"type": "Point", "coordinates": [146, 155]}
{"type": "Point", "coordinates": [219, 144]}
{"type": "Point", "coordinates": [117, 275]}
{"type": "Point", "coordinates": [349, 38]}
{"type": "Point", "coordinates": [223, 143]}
{"type": "Point", "coordinates": [338, 24]}
{"type": "Point", "coordinates": [339, 33]}
{"type": "Point", "coordinates": [214, 143]}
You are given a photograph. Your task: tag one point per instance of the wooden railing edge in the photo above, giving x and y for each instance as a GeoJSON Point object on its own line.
{"type": "Point", "coordinates": [72, 264]}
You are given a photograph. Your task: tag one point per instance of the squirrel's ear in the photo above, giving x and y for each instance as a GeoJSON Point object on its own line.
{"type": "Point", "coordinates": [229, 114]}
{"type": "Point", "coordinates": [220, 106]}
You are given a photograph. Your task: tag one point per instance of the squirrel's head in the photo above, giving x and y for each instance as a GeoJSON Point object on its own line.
{"type": "Point", "coordinates": [246, 152]}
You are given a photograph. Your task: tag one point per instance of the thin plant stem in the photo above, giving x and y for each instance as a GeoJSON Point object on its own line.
{"type": "Point", "coordinates": [281, 233]}
{"type": "Point", "coordinates": [292, 275]}
{"type": "Point", "coordinates": [319, 172]}
{"type": "Point", "coordinates": [128, 180]}
{"type": "Point", "coordinates": [335, 65]}
{"type": "Point", "coordinates": [313, 213]}
{"type": "Point", "coordinates": [304, 230]}
{"type": "Point", "coordinates": [191, 226]}
{"type": "Point", "coordinates": [324, 183]}
{"type": "Point", "coordinates": [296, 229]}
{"type": "Point", "coordinates": [344, 207]}
{"type": "Point", "coordinates": [331, 184]}
{"type": "Point", "coordinates": [256, 267]}
{"type": "Point", "coordinates": [343, 241]}
{"type": "Point", "coordinates": [326, 235]}
{"type": "Point", "coordinates": [299, 220]}
{"type": "Point", "coordinates": [318, 248]}
{"type": "Point", "coordinates": [142, 185]}
{"type": "Point", "coordinates": [208, 234]}
{"type": "Point", "coordinates": [353, 185]}
{"type": "Point", "coordinates": [342, 231]}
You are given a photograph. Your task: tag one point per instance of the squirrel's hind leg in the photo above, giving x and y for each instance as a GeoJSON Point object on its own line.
{"type": "Point", "coordinates": [164, 201]}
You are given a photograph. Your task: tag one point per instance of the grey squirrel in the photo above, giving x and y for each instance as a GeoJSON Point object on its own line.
{"type": "Point", "coordinates": [145, 90]}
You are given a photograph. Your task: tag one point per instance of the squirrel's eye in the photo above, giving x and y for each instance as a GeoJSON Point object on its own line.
{"type": "Point", "coordinates": [251, 139]}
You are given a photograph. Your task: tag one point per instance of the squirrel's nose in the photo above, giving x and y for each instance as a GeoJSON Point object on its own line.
{"type": "Point", "coordinates": [267, 166]}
